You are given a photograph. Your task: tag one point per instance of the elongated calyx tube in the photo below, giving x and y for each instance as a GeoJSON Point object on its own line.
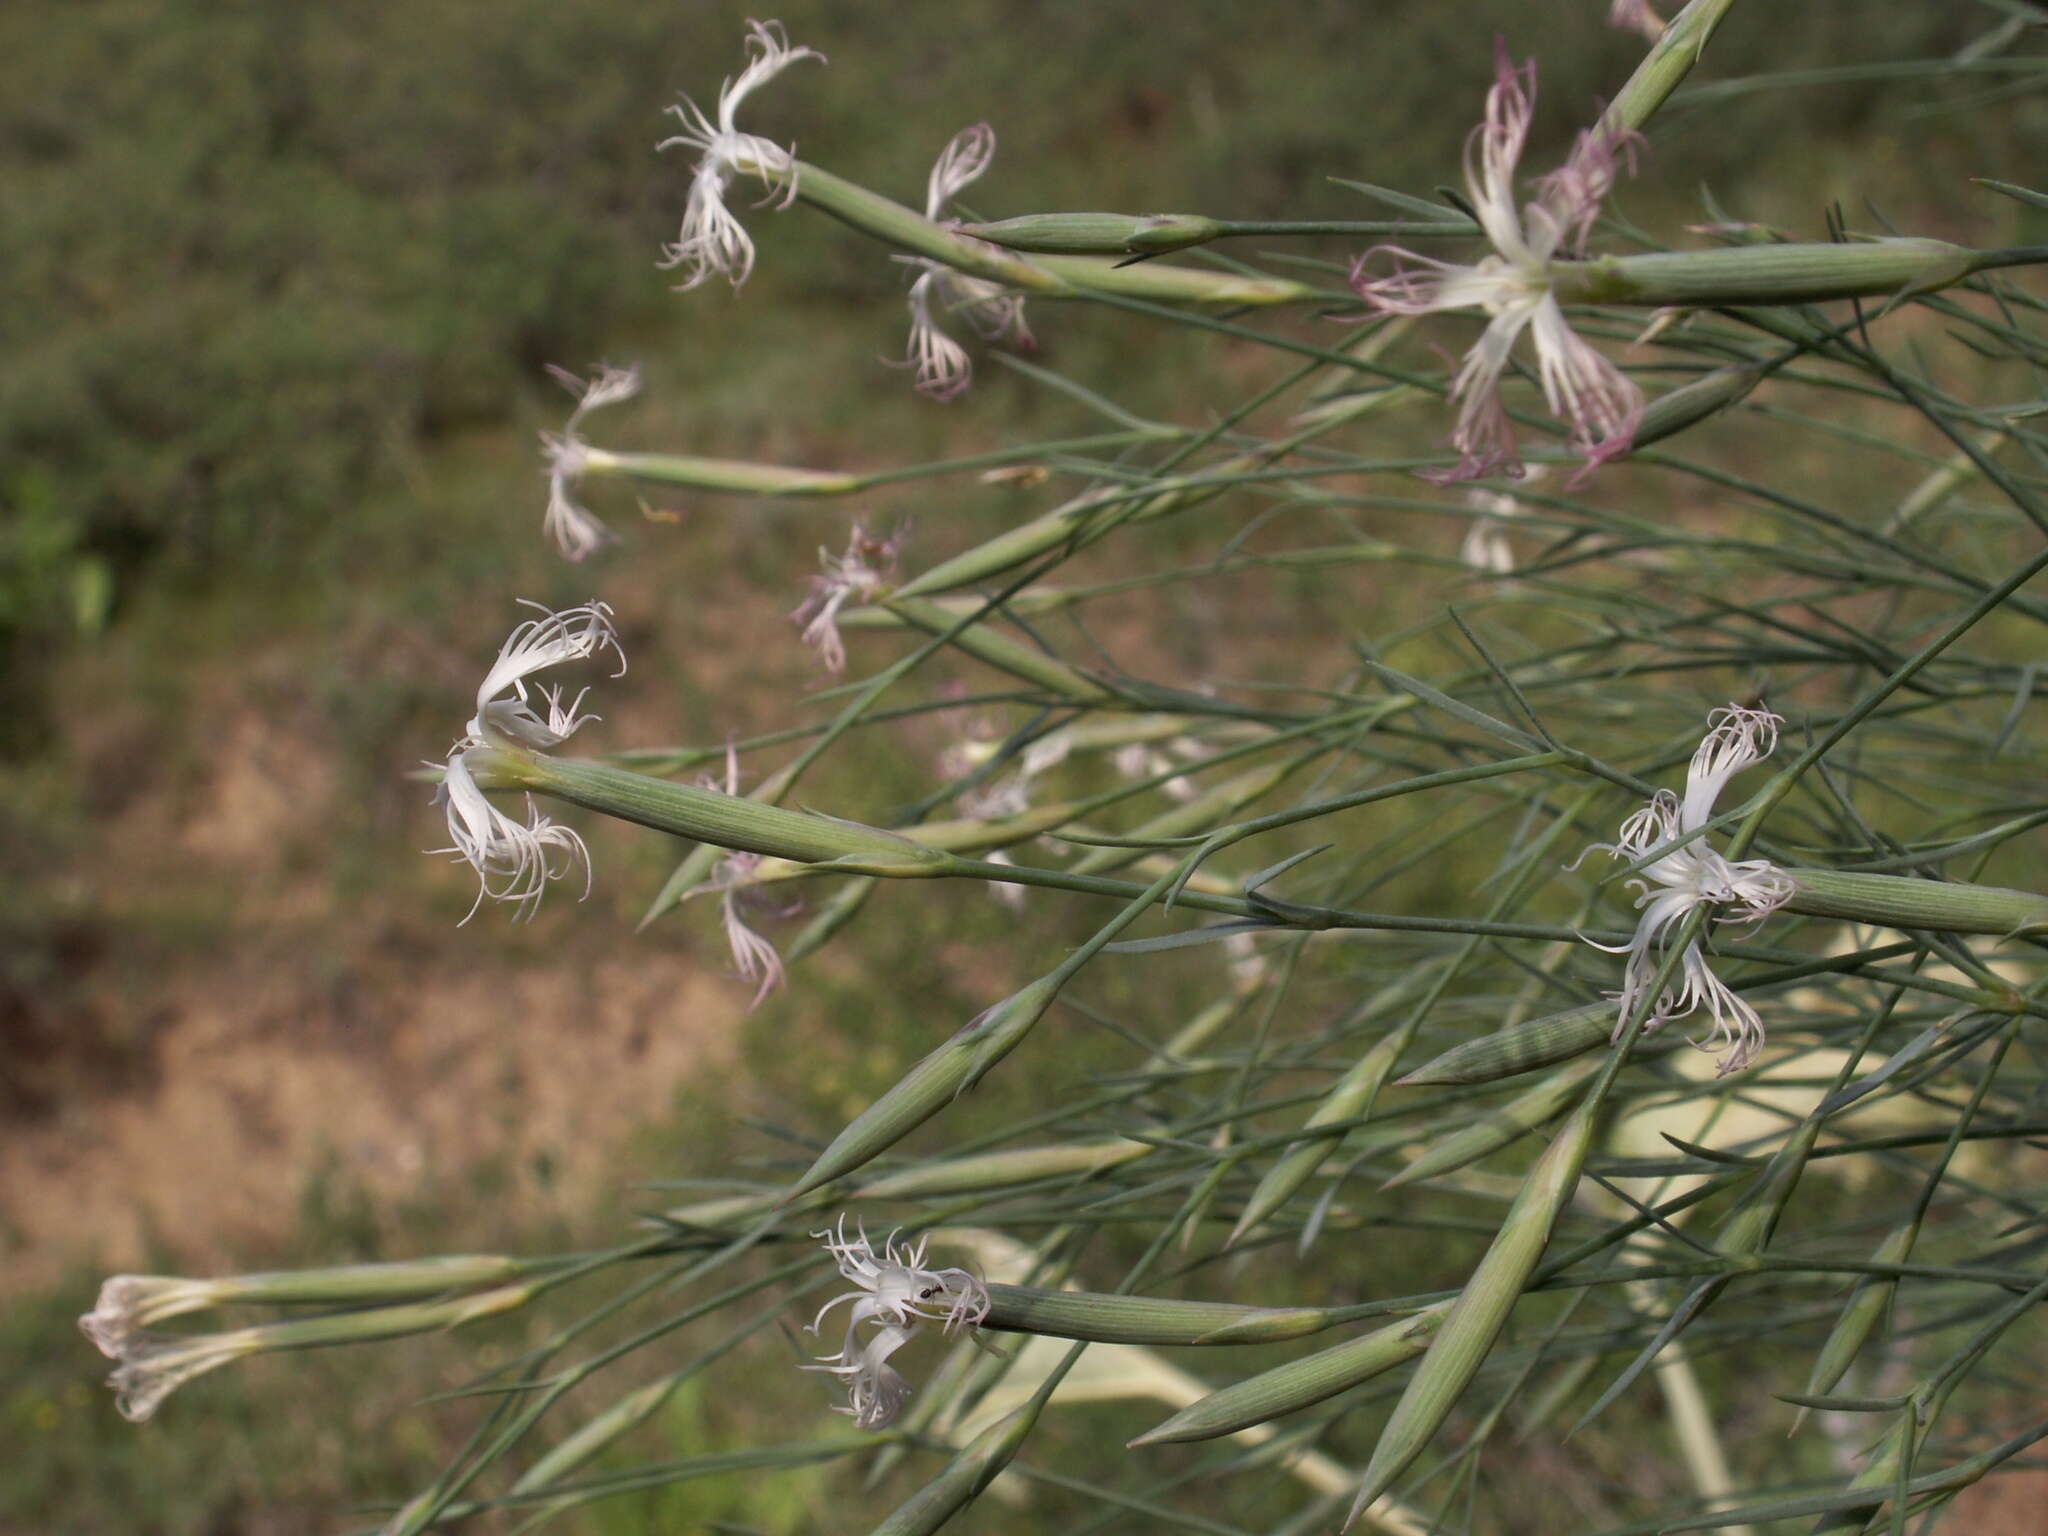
{"type": "Point", "coordinates": [1053, 277]}
{"type": "Point", "coordinates": [729, 821]}
{"type": "Point", "coordinates": [1901, 901]}
{"type": "Point", "coordinates": [1098, 234]}
{"type": "Point", "coordinates": [1766, 274]}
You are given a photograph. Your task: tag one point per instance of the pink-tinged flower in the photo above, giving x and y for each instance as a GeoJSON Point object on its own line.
{"type": "Point", "coordinates": [576, 533]}
{"type": "Point", "coordinates": [855, 576]}
{"type": "Point", "coordinates": [712, 240]}
{"type": "Point", "coordinates": [1599, 402]}
{"type": "Point", "coordinates": [514, 860]}
{"type": "Point", "coordinates": [896, 1294]}
{"type": "Point", "coordinates": [754, 957]}
{"type": "Point", "coordinates": [940, 363]}
{"type": "Point", "coordinates": [1671, 881]}
{"type": "Point", "coordinates": [1636, 16]}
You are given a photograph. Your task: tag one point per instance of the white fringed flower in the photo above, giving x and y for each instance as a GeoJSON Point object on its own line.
{"type": "Point", "coordinates": [1672, 881]}
{"type": "Point", "coordinates": [712, 240]}
{"type": "Point", "coordinates": [1602, 405]}
{"type": "Point", "coordinates": [576, 533]}
{"type": "Point", "coordinates": [940, 363]}
{"type": "Point", "coordinates": [896, 1294]}
{"type": "Point", "coordinates": [855, 576]}
{"type": "Point", "coordinates": [515, 860]}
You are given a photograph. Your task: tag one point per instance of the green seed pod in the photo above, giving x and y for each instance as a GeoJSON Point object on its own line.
{"type": "Point", "coordinates": [1116, 1319]}
{"type": "Point", "coordinates": [1852, 1330]}
{"type": "Point", "coordinates": [998, 1170]}
{"type": "Point", "coordinates": [1074, 519]}
{"type": "Point", "coordinates": [1300, 1383]}
{"type": "Point", "coordinates": [1664, 68]}
{"type": "Point", "coordinates": [963, 1478]}
{"type": "Point", "coordinates": [623, 1416]}
{"type": "Point", "coordinates": [1037, 600]}
{"type": "Point", "coordinates": [931, 1085]}
{"type": "Point", "coordinates": [1002, 652]}
{"type": "Point", "coordinates": [727, 1211]}
{"type": "Point", "coordinates": [1539, 1043]}
{"type": "Point", "coordinates": [1354, 1091]}
{"type": "Point", "coordinates": [1512, 1120]}
{"type": "Point", "coordinates": [1098, 234]}
{"type": "Point", "coordinates": [1480, 1311]}
{"type": "Point", "coordinates": [1765, 274]}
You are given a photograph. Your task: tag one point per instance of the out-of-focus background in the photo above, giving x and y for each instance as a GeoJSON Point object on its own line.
{"type": "Point", "coordinates": [281, 285]}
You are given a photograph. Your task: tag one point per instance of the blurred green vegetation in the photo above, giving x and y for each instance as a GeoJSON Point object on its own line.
{"type": "Point", "coordinates": [282, 282]}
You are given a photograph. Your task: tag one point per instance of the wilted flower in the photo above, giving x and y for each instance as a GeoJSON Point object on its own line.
{"type": "Point", "coordinates": [1513, 286]}
{"type": "Point", "coordinates": [897, 1294]}
{"type": "Point", "coordinates": [856, 575]}
{"type": "Point", "coordinates": [1636, 16]}
{"type": "Point", "coordinates": [941, 363]}
{"type": "Point", "coordinates": [712, 240]}
{"type": "Point", "coordinates": [1011, 896]}
{"type": "Point", "coordinates": [515, 860]}
{"type": "Point", "coordinates": [875, 1390]}
{"type": "Point", "coordinates": [153, 1366]}
{"type": "Point", "coordinates": [753, 956]}
{"type": "Point", "coordinates": [1674, 880]}
{"type": "Point", "coordinates": [575, 532]}
{"type": "Point", "coordinates": [129, 1303]}
{"type": "Point", "coordinates": [1486, 548]}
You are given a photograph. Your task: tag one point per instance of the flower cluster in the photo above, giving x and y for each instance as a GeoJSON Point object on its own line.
{"type": "Point", "coordinates": [712, 240]}
{"type": "Point", "coordinates": [1512, 286]}
{"type": "Point", "coordinates": [1678, 871]}
{"type": "Point", "coordinates": [896, 1294]}
{"type": "Point", "coordinates": [576, 533]}
{"type": "Point", "coordinates": [515, 860]}
{"type": "Point", "coordinates": [941, 363]}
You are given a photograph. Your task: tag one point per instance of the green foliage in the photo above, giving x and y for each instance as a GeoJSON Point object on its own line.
{"type": "Point", "coordinates": [287, 294]}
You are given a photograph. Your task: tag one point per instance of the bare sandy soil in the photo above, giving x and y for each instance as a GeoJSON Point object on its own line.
{"type": "Point", "coordinates": [180, 1090]}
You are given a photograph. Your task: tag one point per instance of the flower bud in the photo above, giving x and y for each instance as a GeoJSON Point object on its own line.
{"type": "Point", "coordinates": [1687, 406]}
